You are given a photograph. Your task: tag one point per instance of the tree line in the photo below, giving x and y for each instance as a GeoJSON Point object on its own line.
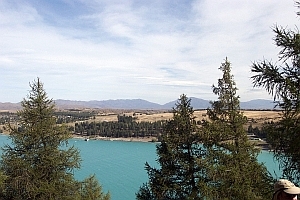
{"type": "Point", "coordinates": [73, 116]}
{"type": "Point", "coordinates": [120, 128]}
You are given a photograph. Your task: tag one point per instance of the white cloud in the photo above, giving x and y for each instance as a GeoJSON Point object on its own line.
{"type": "Point", "coordinates": [153, 50]}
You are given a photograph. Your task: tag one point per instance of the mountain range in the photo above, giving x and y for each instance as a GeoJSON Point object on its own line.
{"type": "Point", "coordinates": [140, 104]}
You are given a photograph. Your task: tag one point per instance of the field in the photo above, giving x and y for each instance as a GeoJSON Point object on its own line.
{"type": "Point", "coordinates": [254, 117]}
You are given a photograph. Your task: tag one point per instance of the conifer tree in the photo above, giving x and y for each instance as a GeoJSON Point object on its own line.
{"type": "Point", "coordinates": [39, 164]}
{"type": "Point", "coordinates": [178, 175]}
{"type": "Point", "coordinates": [92, 190]}
{"type": "Point", "coordinates": [282, 80]}
{"type": "Point", "coordinates": [232, 170]}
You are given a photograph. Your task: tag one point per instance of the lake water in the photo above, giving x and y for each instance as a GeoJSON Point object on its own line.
{"type": "Point", "coordinates": [119, 166]}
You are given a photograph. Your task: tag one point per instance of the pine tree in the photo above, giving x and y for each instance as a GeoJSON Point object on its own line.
{"type": "Point", "coordinates": [232, 170]}
{"type": "Point", "coordinates": [178, 175]}
{"type": "Point", "coordinates": [282, 81]}
{"type": "Point", "coordinates": [92, 190]}
{"type": "Point", "coordinates": [39, 164]}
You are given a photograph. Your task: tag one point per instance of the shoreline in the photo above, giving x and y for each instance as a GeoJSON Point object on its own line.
{"type": "Point", "coordinates": [262, 145]}
{"type": "Point", "coordinates": [131, 139]}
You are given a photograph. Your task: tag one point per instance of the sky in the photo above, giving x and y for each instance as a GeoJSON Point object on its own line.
{"type": "Point", "coordinates": [136, 49]}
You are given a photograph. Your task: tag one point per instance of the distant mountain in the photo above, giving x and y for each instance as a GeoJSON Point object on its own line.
{"type": "Point", "coordinates": [195, 102]}
{"type": "Point", "coordinates": [110, 104]}
{"type": "Point", "coordinates": [143, 104]}
{"type": "Point", "coordinates": [140, 104]}
{"type": "Point", "coordinates": [257, 104]}
{"type": "Point", "coordinates": [10, 106]}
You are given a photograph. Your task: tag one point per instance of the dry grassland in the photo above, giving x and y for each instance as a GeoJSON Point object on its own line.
{"type": "Point", "coordinates": [257, 118]}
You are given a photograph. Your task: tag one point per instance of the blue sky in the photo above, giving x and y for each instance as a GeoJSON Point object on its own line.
{"type": "Point", "coordinates": [153, 50]}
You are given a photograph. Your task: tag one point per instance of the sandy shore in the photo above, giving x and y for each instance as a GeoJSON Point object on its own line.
{"type": "Point", "coordinates": [131, 139]}
{"type": "Point", "coordinates": [262, 144]}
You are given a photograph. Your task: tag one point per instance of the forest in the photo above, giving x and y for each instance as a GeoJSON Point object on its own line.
{"type": "Point", "coordinates": [125, 127]}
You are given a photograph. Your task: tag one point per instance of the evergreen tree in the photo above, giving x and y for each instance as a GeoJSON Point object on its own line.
{"type": "Point", "coordinates": [39, 164]}
{"type": "Point", "coordinates": [232, 170]}
{"type": "Point", "coordinates": [92, 190]}
{"type": "Point", "coordinates": [282, 81]}
{"type": "Point", "coordinates": [178, 151]}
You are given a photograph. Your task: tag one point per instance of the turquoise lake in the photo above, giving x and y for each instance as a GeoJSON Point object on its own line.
{"type": "Point", "coordinates": [119, 166]}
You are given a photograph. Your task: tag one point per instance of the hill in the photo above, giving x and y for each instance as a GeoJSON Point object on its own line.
{"type": "Point", "coordinates": [139, 104]}
{"type": "Point", "coordinates": [197, 103]}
